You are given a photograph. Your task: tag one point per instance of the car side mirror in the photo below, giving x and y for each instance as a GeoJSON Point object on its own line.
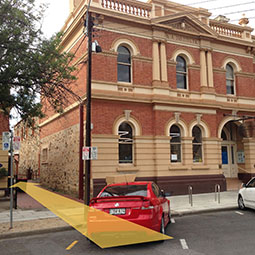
{"type": "Point", "coordinates": [243, 185]}
{"type": "Point", "coordinates": [163, 193]}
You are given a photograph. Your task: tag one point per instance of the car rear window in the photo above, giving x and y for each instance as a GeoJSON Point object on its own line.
{"type": "Point", "coordinates": [125, 190]}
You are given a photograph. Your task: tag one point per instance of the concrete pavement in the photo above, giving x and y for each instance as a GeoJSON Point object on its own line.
{"type": "Point", "coordinates": [41, 220]}
{"type": "Point", "coordinates": [181, 205]}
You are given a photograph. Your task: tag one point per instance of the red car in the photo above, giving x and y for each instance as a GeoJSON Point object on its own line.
{"type": "Point", "coordinates": [142, 203]}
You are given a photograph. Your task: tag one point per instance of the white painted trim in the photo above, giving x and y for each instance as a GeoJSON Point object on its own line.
{"type": "Point", "coordinates": [205, 130]}
{"type": "Point", "coordinates": [232, 53]}
{"type": "Point", "coordinates": [128, 43]}
{"type": "Point", "coordinates": [185, 54]}
{"type": "Point", "coordinates": [182, 109]}
{"type": "Point", "coordinates": [132, 121]}
{"type": "Point", "coordinates": [236, 66]}
{"type": "Point", "coordinates": [224, 122]}
{"type": "Point", "coordinates": [181, 124]}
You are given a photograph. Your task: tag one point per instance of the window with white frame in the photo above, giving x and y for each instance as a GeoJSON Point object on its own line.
{"type": "Point", "coordinates": [175, 144]}
{"type": "Point", "coordinates": [124, 64]}
{"type": "Point", "coordinates": [181, 73]}
{"type": "Point", "coordinates": [230, 80]}
{"type": "Point", "coordinates": [125, 143]}
{"type": "Point", "coordinates": [197, 144]}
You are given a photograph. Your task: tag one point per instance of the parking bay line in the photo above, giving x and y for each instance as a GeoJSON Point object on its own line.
{"type": "Point", "coordinates": [172, 220]}
{"type": "Point", "coordinates": [184, 244]}
{"type": "Point", "coordinates": [239, 213]}
{"type": "Point", "coordinates": [71, 245]}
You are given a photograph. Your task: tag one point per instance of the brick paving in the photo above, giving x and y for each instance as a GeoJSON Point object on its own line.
{"type": "Point", "coordinates": [27, 202]}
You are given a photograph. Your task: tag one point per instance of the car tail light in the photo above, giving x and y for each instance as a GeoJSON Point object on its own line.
{"type": "Point", "coordinates": [92, 202]}
{"type": "Point", "coordinates": [147, 205]}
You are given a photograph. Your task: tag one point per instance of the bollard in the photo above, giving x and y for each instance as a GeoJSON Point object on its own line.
{"type": "Point", "coordinates": [217, 193]}
{"type": "Point", "coordinates": [190, 195]}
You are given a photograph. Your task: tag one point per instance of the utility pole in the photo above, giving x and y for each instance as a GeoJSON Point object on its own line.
{"type": "Point", "coordinates": [89, 25]}
{"type": "Point", "coordinates": [11, 173]}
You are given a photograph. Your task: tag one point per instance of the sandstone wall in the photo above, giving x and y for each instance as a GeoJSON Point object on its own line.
{"type": "Point", "coordinates": [60, 160]}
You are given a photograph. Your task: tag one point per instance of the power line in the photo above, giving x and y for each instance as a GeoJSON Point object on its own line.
{"type": "Point", "coordinates": [229, 6]}
{"type": "Point", "coordinates": [207, 1]}
{"type": "Point", "coordinates": [229, 13]}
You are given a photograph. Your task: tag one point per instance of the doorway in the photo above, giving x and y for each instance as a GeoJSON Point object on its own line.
{"type": "Point", "coordinates": [228, 151]}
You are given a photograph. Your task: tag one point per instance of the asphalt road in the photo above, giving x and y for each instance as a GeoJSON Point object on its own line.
{"type": "Point", "coordinates": [230, 232]}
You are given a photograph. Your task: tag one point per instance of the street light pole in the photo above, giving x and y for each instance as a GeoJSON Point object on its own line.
{"type": "Point", "coordinates": [89, 25]}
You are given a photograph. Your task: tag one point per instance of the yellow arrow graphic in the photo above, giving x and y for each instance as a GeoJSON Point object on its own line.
{"type": "Point", "coordinates": [102, 228]}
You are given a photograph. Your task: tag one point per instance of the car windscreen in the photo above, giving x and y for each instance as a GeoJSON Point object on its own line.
{"type": "Point", "coordinates": [125, 190]}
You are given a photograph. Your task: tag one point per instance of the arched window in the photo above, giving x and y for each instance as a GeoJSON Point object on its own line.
{"type": "Point", "coordinates": [181, 73]}
{"type": "Point", "coordinates": [230, 80]}
{"type": "Point", "coordinates": [124, 64]}
{"type": "Point", "coordinates": [175, 144]}
{"type": "Point", "coordinates": [197, 144]}
{"type": "Point", "coordinates": [125, 143]}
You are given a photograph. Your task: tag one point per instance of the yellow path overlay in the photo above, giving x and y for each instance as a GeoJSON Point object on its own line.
{"type": "Point", "coordinates": [100, 227]}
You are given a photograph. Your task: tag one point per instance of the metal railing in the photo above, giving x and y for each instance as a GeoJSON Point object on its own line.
{"type": "Point", "coordinates": [217, 193]}
{"type": "Point", "coordinates": [190, 195]}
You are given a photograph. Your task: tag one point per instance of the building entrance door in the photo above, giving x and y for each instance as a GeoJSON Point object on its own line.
{"type": "Point", "coordinates": [229, 165]}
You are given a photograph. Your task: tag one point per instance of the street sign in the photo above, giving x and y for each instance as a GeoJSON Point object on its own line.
{"type": "Point", "coordinates": [89, 153]}
{"type": "Point", "coordinates": [93, 153]}
{"type": "Point", "coordinates": [6, 141]}
{"type": "Point", "coordinates": [16, 143]}
{"type": "Point", "coordinates": [85, 153]}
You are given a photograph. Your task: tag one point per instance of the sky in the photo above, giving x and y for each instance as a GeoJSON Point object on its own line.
{"type": "Point", "coordinates": [58, 11]}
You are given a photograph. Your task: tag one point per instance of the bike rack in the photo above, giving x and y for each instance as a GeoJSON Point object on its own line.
{"type": "Point", "coordinates": [217, 193]}
{"type": "Point", "coordinates": [190, 195]}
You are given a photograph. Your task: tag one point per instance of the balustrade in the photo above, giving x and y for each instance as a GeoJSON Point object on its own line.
{"type": "Point", "coordinates": [227, 31]}
{"type": "Point", "coordinates": [128, 7]}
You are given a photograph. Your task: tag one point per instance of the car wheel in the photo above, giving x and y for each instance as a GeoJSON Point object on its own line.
{"type": "Point", "coordinates": [241, 203]}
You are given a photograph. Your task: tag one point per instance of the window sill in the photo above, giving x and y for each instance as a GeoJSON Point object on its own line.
{"type": "Point", "coordinates": [128, 168]}
{"type": "Point", "coordinates": [200, 167]}
{"type": "Point", "coordinates": [177, 167]}
{"type": "Point", "coordinates": [125, 83]}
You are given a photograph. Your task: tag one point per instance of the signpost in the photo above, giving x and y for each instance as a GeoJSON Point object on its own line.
{"type": "Point", "coordinates": [8, 145]}
{"type": "Point", "coordinates": [16, 143]}
{"type": "Point", "coordinates": [6, 141]}
{"type": "Point", "coordinates": [93, 153]}
{"type": "Point", "coordinates": [85, 153]}
{"type": "Point", "coordinates": [89, 153]}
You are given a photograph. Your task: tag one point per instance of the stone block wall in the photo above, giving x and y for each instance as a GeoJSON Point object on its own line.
{"type": "Point", "coordinates": [60, 160]}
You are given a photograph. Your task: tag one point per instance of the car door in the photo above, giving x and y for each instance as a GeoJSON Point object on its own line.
{"type": "Point", "coordinates": [249, 194]}
{"type": "Point", "coordinates": [163, 202]}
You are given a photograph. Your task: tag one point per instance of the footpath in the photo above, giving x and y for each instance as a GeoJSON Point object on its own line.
{"type": "Point", "coordinates": [32, 218]}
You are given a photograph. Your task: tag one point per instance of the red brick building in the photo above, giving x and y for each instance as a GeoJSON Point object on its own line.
{"type": "Point", "coordinates": [170, 92]}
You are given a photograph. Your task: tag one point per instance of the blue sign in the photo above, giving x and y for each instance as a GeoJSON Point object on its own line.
{"type": "Point", "coordinates": [1, 165]}
{"type": "Point", "coordinates": [6, 146]}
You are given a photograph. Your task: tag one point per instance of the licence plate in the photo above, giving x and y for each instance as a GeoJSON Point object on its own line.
{"type": "Point", "coordinates": [118, 211]}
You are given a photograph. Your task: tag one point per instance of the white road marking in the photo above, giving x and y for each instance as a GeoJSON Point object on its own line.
{"type": "Point", "coordinates": [184, 244]}
{"type": "Point", "coordinates": [239, 213]}
{"type": "Point", "coordinates": [172, 221]}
